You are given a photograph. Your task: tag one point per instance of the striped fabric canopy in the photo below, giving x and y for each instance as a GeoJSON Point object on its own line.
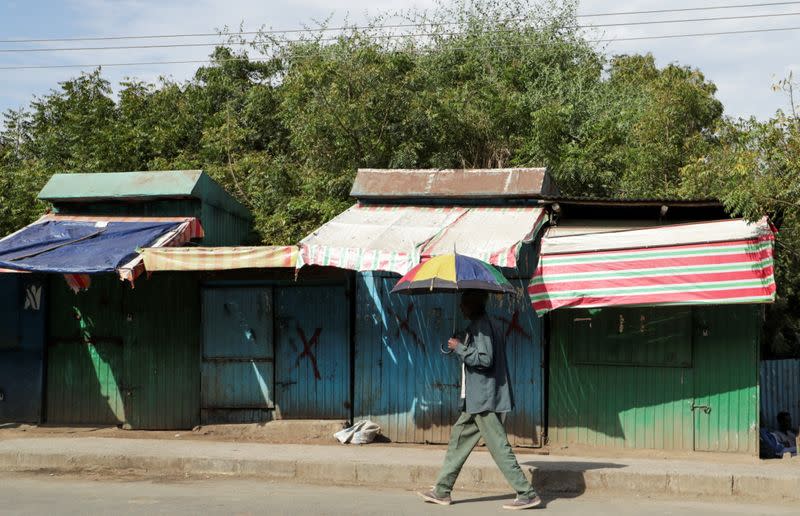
{"type": "Point", "coordinates": [715, 263]}
{"type": "Point", "coordinates": [396, 238]}
{"type": "Point", "coordinates": [218, 258]}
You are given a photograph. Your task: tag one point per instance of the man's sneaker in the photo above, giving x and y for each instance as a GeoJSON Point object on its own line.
{"type": "Point", "coordinates": [432, 497]}
{"type": "Point", "coordinates": [523, 503]}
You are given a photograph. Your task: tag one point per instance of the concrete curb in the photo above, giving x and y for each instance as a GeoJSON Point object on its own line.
{"type": "Point", "coordinates": [549, 480]}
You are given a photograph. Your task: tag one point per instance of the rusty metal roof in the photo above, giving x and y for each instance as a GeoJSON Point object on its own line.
{"type": "Point", "coordinates": [533, 183]}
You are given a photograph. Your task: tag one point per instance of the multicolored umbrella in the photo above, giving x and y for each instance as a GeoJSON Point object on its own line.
{"type": "Point", "coordinates": [452, 273]}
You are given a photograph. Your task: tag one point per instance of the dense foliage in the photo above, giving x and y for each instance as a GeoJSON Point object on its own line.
{"type": "Point", "coordinates": [473, 84]}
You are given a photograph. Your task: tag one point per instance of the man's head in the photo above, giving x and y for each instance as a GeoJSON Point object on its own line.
{"type": "Point", "coordinates": [784, 421]}
{"type": "Point", "coordinates": [473, 304]}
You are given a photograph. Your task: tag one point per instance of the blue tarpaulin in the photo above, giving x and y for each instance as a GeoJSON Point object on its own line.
{"type": "Point", "coordinates": [78, 247]}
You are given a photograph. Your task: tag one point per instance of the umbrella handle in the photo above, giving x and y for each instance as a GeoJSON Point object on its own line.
{"type": "Point", "coordinates": [448, 351]}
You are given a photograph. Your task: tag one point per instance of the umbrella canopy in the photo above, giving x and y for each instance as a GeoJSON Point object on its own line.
{"type": "Point", "coordinates": [452, 273]}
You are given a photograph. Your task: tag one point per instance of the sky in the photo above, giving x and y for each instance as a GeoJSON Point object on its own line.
{"type": "Point", "coordinates": [744, 66]}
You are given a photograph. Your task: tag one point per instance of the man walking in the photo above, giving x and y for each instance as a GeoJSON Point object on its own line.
{"type": "Point", "coordinates": [485, 399]}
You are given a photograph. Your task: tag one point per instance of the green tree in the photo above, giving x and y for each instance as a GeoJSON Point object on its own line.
{"type": "Point", "coordinates": [755, 171]}
{"type": "Point", "coordinates": [491, 83]}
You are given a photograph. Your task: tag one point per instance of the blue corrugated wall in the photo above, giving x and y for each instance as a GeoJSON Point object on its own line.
{"type": "Point", "coordinates": [282, 346]}
{"type": "Point", "coordinates": [312, 352]}
{"type": "Point", "coordinates": [406, 385]}
{"type": "Point", "coordinates": [22, 310]}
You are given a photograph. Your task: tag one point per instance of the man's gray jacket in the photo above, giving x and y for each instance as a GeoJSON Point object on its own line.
{"type": "Point", "coordinates": [486, 376]}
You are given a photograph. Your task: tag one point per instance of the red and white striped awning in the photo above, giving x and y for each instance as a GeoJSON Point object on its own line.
{"type": "Point", "coordinates": [396, 238]}
{"type": "Point", "coordinates": [718, 262]}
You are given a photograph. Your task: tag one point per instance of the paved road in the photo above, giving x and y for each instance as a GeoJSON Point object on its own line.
{"type": "Point", "coordinates": [42, 494]}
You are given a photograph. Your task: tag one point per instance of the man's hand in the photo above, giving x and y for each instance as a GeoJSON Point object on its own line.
{"type": "Point", "coordinates": [453, 343]}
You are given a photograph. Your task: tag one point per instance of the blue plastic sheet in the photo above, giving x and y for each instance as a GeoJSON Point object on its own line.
{"type": "Point", "coordinates": [70, 247]}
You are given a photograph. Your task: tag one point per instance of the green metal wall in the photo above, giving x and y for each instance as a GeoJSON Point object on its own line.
{"type": "Point", "coordinates": [629, 378]}
{"type": "Point", "coordinates": [221, 226]}
{"type": "Point", "coordinates": [122, 355]}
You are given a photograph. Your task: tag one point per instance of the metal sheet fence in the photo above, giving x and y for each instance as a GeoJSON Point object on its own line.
{"type": "Point", "coordinates": [405, 384]}
{"type": "Point", "coordinates": [118, 355]}
{"type": "Point", "coordinates": [312, 343]}
{"type": "Point", "coordinates": [780, 390]}
{"type": "Point", "coordinates": [709, 404]}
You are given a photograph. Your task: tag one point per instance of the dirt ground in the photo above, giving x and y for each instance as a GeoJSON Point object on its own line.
{"type": "Point", "coordinates": [274, 432]}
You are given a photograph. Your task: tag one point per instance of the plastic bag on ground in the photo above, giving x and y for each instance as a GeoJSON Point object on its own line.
{"type": "Point", "coordinates": [362, 432]}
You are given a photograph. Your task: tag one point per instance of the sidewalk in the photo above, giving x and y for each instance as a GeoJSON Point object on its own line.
{"type": "Point", "coordinates": [406, 467]}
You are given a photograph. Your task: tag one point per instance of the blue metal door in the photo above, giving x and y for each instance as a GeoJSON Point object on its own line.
{"type": "Point", "coordinates": [237, 371]}
{"type": "Point", "coordinates": [312, 368]}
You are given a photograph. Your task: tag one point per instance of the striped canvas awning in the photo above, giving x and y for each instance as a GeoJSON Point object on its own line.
{"type": "Point", "coordinates": [493, 235]}
{"type": "Point", "coordinates": [717, 262]}
{"type": "Point", "coordinates": [396, 238]}
{"type": "Point", "coordinates": [218, 258]}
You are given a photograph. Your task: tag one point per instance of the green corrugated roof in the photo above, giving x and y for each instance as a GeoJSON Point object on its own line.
{"type": "Point", "coordinates": [120, 186]}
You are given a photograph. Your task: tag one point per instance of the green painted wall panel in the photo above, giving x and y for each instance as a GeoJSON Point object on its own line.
{"type": "Point", "coordinates": [83, 384]}
{"type": "Point", "coordinates": [154, 359]}
{"type": "Point", "coordinates": [222, 227]}
{"type": "Point", "coordinates": [642, 404]}
{"type": "Point", "coordinates": [726, 381]}
{"type": "Point", "coordinates": [85, 355]}
{"type": "Point", "coordinates": [162, 362]}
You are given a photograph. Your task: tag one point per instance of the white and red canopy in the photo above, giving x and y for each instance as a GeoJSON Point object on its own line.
{"type": "Point", "coordinates": [396, 238]}
{"type": "Point", "coordinates": [728, 261]}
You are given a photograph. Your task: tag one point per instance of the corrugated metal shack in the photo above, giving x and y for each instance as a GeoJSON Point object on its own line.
{"type": "Point", "coordinates": [645, 349]}
{"type": "Point", "coordinates": [400, 378]}
{"type": "Point", "coordinates": [122, 355]}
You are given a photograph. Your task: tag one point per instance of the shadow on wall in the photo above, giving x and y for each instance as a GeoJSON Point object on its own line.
{"type": "Point", "coordinates": [85, 372]}
{"type": "Point", "coordinates": [639, 392]}
{"type": "Point", "coordinates": [407, 385]}
{"type": "Point", "coordinates": [141, 364]}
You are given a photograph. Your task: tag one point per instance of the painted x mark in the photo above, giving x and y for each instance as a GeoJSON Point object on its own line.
{"type": "Point", "coordinates": [514, 325]}
{"type": "Point", "coordinates": [308, 344]}
{"type": "Point", "coordinates": [405, 325]}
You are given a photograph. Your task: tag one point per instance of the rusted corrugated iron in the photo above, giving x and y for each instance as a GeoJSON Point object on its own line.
{"type": "Point", "coordinates": [503, 183]}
